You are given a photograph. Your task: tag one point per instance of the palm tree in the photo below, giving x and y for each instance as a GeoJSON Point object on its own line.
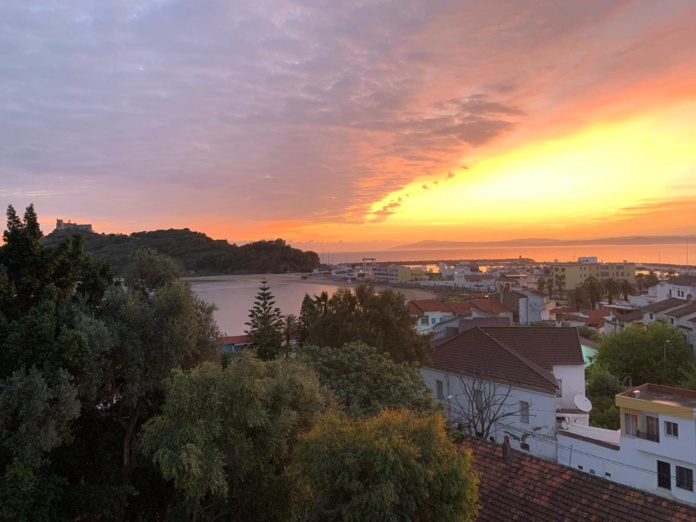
{"type": "Point", "coordinates": [560, 283]}
{"type": "Point", "coordinates": [594, 291]}
{"type": "Point", "coordinates": [627, 288]}
{"type": "Point", "coordinates": [640, 282]}
{"type": "Point", "coordinates": [321, 302]}
{"type": "Point", "coordinates": [541, 284]}
{"type": "Point", "coordinates": [579, 298]}
{"type": "Point", "coordinates": [290, 328]}
{"type": "Point", "coordinates": [611, 287]}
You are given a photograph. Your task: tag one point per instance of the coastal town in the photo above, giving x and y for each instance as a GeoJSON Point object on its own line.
{"type": "Point", "coordinates": [511, 348]}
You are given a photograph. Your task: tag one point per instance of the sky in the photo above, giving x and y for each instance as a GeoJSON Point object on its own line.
{"type": "Point", "coordinates": [351, 125]}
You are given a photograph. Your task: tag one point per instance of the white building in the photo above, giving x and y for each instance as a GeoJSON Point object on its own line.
{"type": "Point", "coordinates": [655, 449]}
{"type": "Point", "coordinates": [680, 287]}
{"type": "Point", "coordinates": [530, 376]}
{"type": "Point", "coordinates": [678, 313]}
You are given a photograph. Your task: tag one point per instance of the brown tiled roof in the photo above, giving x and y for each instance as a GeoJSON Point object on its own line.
{"type": "Point", "coordinates": [683, 280]}
{"type": "Point", "coordinates": [460, 307]}
{"type": "Point", "coordinates": [490, 305]}
{"type": "Point", "coordinates": [234, 339]}
{"type": "Point", "coordinates": [635, 315]}
{"type": "Point", "coordinates": [665, 304]}
{"type": "Point", "coordinates": [531, 489]}
{"type": "Point", "coordinates": [475, 322]}
{"type": "Point", "coordinates": [545, 345]}
{"type": "Point", "coordinates": [683, 311]}
{"type": "Point", "coordinates": [421, 306]}
{"type": "Point", "coordinates": [474, 352]}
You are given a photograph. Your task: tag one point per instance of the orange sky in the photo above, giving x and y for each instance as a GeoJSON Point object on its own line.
{"type": "Point", "coordinates": [359, 126]}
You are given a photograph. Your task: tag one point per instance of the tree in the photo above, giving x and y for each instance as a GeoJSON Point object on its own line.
{"type": "Point", "coordinates": [397, 466]}
{"type": "Point", "coordinates": [541, 283]}
{"type": "Point", "coordinates": [481, 404]}
{"type": "Point", "coordinates": [226, 436]}
{"type": "Point", "coordinates": [611, 288]}
{"type": "Point", "coordinates": [82, 361]}
{"type": "Point", "coordinates": [594, 291]}
{"type": "Point", "coordinates": [579, 298]}
{"type": "Point", "coordinates": [549, 286]}
{"type": "Point", "coordinates": [381, 320]}
{"type": "Point", "coordinates": [626, 288]}
{"type": "Point", "coordinates": [651, 279]}
{"type": "Point", "coordinates": [365, 381]}
{"type": "Point", "coordinates": [559, 279]}
{"type": "Point", "coordinates": [265, 324]}
{"type": "Point", "coordinates": [290, 328]}
{"type": "Point", "coordinates": [654, 354]}
{"type": "Point", "coordinates": [308, 316]}
{"type": "Point", "coordinates": [601, 390]}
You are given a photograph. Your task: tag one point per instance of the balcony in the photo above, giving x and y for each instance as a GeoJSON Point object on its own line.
{"type": "Point", "coordinates": [652, 437]}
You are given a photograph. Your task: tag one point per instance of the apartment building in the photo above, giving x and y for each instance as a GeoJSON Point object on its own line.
{"type": "Point", "coordinates": [574, 274]}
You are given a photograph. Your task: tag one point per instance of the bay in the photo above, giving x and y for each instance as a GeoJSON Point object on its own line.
{"type": "Point", "coordinates": [234, 297]}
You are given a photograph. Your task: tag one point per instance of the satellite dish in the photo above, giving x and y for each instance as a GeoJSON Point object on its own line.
{"type": "Point", "coordinates": [583, 403]}
{"type": "Point", "coordinates": [564, 425]}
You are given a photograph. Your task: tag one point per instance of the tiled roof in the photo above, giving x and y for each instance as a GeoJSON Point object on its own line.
{"type": "Point", "coordinates": [490, 305]}
{"type": "Point", "coordinates": [531, 489]}
{"type": "Point", "coordinates": [475, 322]}
{"type": "Point", "coordinates": [683, 311]}
{"type": "Point", "coordinates": [665, 304]}
{"type": "Point", "coordinates": [234, 339]}
{"type": "Point", "coordinates": [545, 345]}
{"type": "Point", "coordinates": [636, 315]}
{"type": "Point", "coordinates": [422, 306]}
{"type": "Point", "coordinates": [474, 352]}
{"type": "Point", "coordinates": [683, 280]}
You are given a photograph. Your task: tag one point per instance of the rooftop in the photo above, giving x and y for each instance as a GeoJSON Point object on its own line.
{"type": "Point", "coordinates": [664, 395]}
{"type": "Point", "coordinates": [529, 488]}
{"type": "Point", "coordinates": [490, 305]}
{"type": "Point", "coordinates": [683, 280]}
{"type": "Point", "coordinates": [665, 304]}
{"type": "Point", "coordinates": [683, 311]}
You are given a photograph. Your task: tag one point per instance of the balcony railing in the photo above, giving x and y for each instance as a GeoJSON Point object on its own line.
{"type": "Point", "coordinates": [653, 437]}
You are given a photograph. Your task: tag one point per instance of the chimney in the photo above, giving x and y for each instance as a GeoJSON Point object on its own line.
{"type": "Point", "coordinates": [636, 394]}
{"type": "Point", "coordinates": [507, 450]}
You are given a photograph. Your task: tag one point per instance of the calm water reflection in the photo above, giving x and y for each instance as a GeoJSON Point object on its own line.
{"type": "Point", "coordinates": [234, 299]}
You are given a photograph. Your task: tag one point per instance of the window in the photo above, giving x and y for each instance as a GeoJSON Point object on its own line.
{"type": "Point", "coordinates": [664, 479]}
{"type": "Point", "coordinates": [651, 316]}
{"type": "Point", "coordinates": [652, 428]}
{"type": "Point", "coordinates": [433, 320]}
{"type": "Point", "coordinates": [559, 393]}
{"type": "Point", "coordinates": [424, 320]}
{"type": "Point", "coordinates": [630, 424]}
{"type": "Point", "coordinates": [671, 429]}
{"type": "Point", "coordinates": [685, 478]}
{"type": "Point", "coordinates": [440, 391]}
{"type": "Point", "coordinates": [524, 412]}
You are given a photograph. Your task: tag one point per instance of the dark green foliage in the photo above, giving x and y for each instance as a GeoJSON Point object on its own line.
{"type": "Point", "coordinates": [365, 381]}
{"type": "Point", "coordinates": [397, 466]}
{"type": "Point", "coordinates": [601, 390]}
{"type": "Point", "coordinates": [654, 354]}
{"type": "Point", "coordinates": [81, 366]}
{"type": "Point", "coordinates": [194, 252]}
{"type": "Point", "coordinates": [579, 298]}
{"type": "Point", "coordinates": [225, 436]}
{"type": "Point", "coordinates": [381, 320]}
{"type": "Point", "coordinates": [265, 325]}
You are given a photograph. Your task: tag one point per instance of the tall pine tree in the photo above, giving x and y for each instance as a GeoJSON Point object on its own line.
{"type": "Point", "coordinates": [265, 324]}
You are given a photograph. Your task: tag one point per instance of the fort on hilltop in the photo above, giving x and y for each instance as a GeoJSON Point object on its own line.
{"type": "Point", "coordinates": [62, 225]}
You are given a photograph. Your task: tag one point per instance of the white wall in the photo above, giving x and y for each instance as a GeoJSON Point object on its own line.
{"type": "Point", "coordinates": [635, 463]}
{"type": "Point", "coordinates": [539, 434]}
{"type": "Point", "coordinates": [573, 378]}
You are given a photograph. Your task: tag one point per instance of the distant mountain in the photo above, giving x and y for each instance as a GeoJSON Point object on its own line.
{"type": "Point", "coordinates": [622, 240]}
{"type": "Point", "coordinates": [195, 252]}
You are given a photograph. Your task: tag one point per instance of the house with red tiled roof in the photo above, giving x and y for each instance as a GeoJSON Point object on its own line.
{"type": "Point", "coordinates": [524, 488]}
{"type": "Point", "coordinates": [456, 325]}
{"type": "Point", "coordinates": [234, 343]}
{"type": "Point", "coordinates": [513, 381]}
{"type": "Point", "coordinates": [528, 306]}
{"type": "Point", "coordinates": [490, 307]}
{"type": "Point", "coordinates": [430, 312]}
{"type": "Point", "coordinates": [681, 287]}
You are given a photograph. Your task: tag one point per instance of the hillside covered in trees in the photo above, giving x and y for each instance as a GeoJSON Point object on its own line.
{"type": "Point", "coordinates": [196, 253]}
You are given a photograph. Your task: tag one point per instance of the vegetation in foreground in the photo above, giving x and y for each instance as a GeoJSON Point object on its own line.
{"type": "Point", "coordinates": [115, 405]}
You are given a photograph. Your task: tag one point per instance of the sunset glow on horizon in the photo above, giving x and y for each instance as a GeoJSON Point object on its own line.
{"type": "Point", "coordinates": [364, 124]}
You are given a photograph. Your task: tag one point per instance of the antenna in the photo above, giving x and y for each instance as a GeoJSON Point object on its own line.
{"type": "Point", "coordinates": [583, 403]}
